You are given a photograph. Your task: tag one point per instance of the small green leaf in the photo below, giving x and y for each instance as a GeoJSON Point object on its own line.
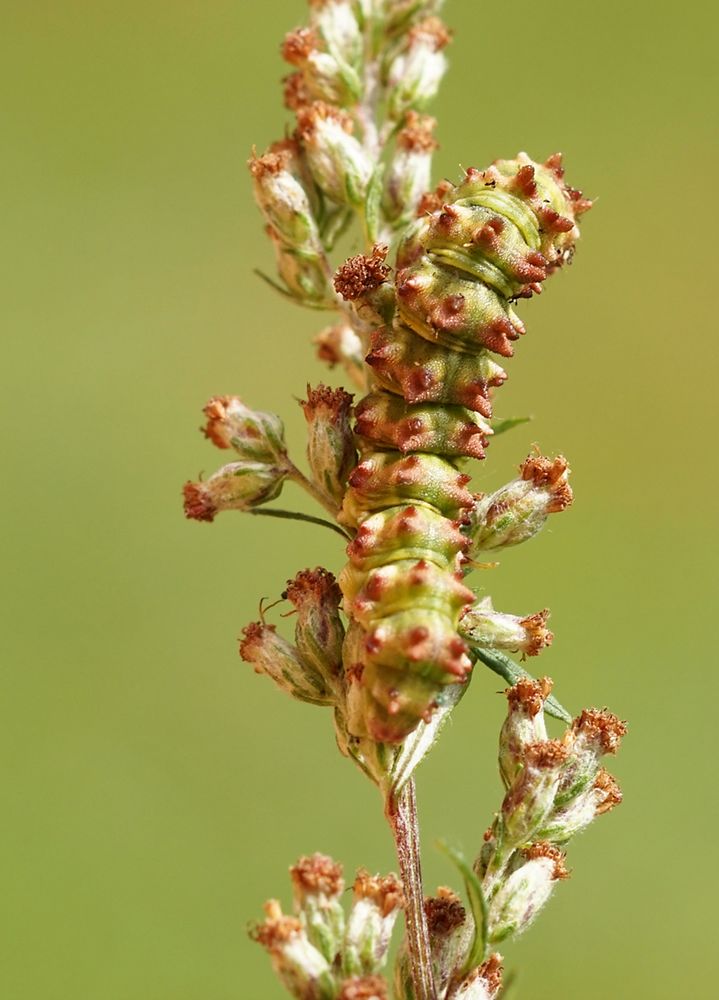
{"type": "Point", "coordinates": [502, 424]}
{"type": "Point", "coordinates": [512, 672]}
{"type": "Point", "coordinates": [288, 295]}
{"type": "Point", "coordinates": [372, 205]}
{"type": "Point", "coordinates": [477, 904]}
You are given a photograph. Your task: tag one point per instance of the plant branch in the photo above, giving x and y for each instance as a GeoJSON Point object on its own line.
{"type": "Point", "coordinates": [402, 815]}
{"type": "Point", "coordinates": [314, 491]}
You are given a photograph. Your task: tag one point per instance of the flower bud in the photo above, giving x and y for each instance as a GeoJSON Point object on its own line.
{"type": "Point", "coordinates": [317, 885]}
{"type": "Point", "coordinates": [517, 511]}
{"type": "Point", "coordinates": [319, 632]}
{"type": "Point", "coordinates": [282, 196]}
{"type": "Point", "coordinates": [295, 92]}
{"type": "Point", "coordinates": [362, 280]}
{"type": "Point", "coordinates": [530, 797]}
{"type": "Point", "coordinates": [326, 71]}
{"type": "Point", "coordinates": [598, 798]}
{"type": "Point", "coordinates": [593, 733]}
{"type": "Point", "coordinates": [253, 435]}
{"type": "Point", "coordinates": [522, 895]}
{"type": "Point", "coordinates": [336, 24]}
{"type": "Point", "coordinates": [300, 967]}
{"type": "Point", "coordinates": [484, 626]}
{"type": "Point", "coordinates": [524, 724]}
{"type": "Point", "coordinates": [339, 165]}
{"type": "Point", "coordinates": [409, 171]}
{"type": "Point", "coordinates": [363, 988]}
{"type": "Point", "coordinates": [585, 790]}
{"type": "Point", "coordinates": [483, 983]}
{"type": "Point", "coordinates": [331, 445]}
{"type": "Point", "coordinates": [237, 486]}
{"type": "Point", "coordinates": [377, 902]}
{"type": "Point", "coordinates": [340, 345]}
{"type": "Point", "coordinates": [598, 732]}
{"type": "Point", "coordinates": [607, 792]}
{"type": "Point", "coordinates": [416, 73]}
{"type": "Point", "coordinates": [270, 654]}
{"type": "Point", "coordinates": [446, 919]}
{"type": "Point", "coordinates": [401, 13]}
{"type": "Point", "coordinates": [303, 272]}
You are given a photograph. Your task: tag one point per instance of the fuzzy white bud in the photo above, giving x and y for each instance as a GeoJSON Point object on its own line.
{"type": "Point", "coordinates": [304, 972]}
{"type": "Point", "coordinates": [339, 164]}
{"type": "Point", "coordinates": [416, 73]}
{"type": "Point", "coordinates": [483, 626]}
{"type": "Point", "coordinates": [376, 906]}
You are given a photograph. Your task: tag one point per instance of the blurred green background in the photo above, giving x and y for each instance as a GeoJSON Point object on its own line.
{"type": "Point", "coordinates": [155, 789]}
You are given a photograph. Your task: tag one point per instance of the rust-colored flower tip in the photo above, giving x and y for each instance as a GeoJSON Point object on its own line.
{"type": "Point", "coordinates": [551, 474]}
{"type": "Point", "coordinates": [295, 93]}
{"type": "Point", "coordinates": [362, 274]}
{"type": "Point", "coordinates": [543, 849]}
{"type": "Point", "coordinates": [538, 635]}
{"type": "Point", "coordinates": [216, 413]}
{"type": "Point", "coordinates": [310, 117]}
{"type": "Point", "coordinates": [432, 30]}
{"type": "Point", "coordinates": [317, 873]}
{"type": "Point", "coordinates": [275, 160]}
{"type": "Point", "coordinates": [491, 972]}
{"type": "Point", "coordinates": [546, 754]}
{"type": "Point", "coordinates": [253, 639]}
{"type": "Point", "coordinates": [385, 891]}
{"type": "Point", "coordinates": [298, 46]}
{"type": "Point", "coordinates": [416, 136]}
{"type": "Point", "coordinates": [363, 988]}
{"type": "Point", "coordinates": [276, 929]}
{"type": "Point", "coordinates": [198, 503]}
{"type": "Point", "coordinates": [336, 402]}
{"type": "Point", "coordinates": [529, 695]}
{"type": "Point", "coordinates": [609, 792]}
{"type": "Point", "coordinates": [312, 587]}
{"type": "Point", "coordinates": [601, 728]}
{"type": "Point", "coordinates": [444, 912]}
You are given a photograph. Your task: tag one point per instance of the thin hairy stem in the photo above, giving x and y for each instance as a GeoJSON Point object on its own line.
{"type": "Point", "coordinates": [402, 816]}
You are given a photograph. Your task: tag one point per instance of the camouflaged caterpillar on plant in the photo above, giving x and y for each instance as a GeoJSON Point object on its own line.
{"type": "Point", "coordinates": [492, 239]}
{"type": "Point", "coordinates": [391, 644]}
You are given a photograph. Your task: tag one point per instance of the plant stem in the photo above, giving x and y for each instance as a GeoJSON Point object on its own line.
{"type": "Point", "coordinates": [402, 816]}
{"type": "Point", "coordinates": [298, 477]}
{"type": "Point", "coordinates": [293, 515]}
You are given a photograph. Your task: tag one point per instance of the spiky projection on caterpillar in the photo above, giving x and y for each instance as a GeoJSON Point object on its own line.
{"type": "Point", "coordinates": [475, 250]}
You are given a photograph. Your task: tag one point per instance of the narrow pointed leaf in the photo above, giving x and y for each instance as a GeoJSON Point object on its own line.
{"type": "Point", "coordinates": [372, 204]}
{"type": "Point", "coordinates": [502, 424]}
{"type": "Point", "coordinates": [512, 672]}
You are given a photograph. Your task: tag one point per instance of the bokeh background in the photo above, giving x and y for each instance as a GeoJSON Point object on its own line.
{"type": "Point", "coordinates": [155, 790]}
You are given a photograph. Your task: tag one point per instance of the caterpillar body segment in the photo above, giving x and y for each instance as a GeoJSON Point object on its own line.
{"type": "Point", "coordinates": [425, 372]}
{"type": "Point", "coordinates": [460, 268]}
{"type": "Point", "coordinates": [385, 479]}
{"type": "Point", "coordinates": [390, 421]}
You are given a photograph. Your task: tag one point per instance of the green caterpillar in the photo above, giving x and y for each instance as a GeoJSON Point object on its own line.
{"type": "Point", "coordinates": [475, 250]}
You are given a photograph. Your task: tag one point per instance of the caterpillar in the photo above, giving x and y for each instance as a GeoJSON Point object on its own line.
{"type": "Point", "coordinates": [476, 248]}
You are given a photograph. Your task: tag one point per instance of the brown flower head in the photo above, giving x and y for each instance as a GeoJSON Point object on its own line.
{"type": "Point", "coordinates": [361, 274]}
{"type": "Point", "coordinates": [529, 695]}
